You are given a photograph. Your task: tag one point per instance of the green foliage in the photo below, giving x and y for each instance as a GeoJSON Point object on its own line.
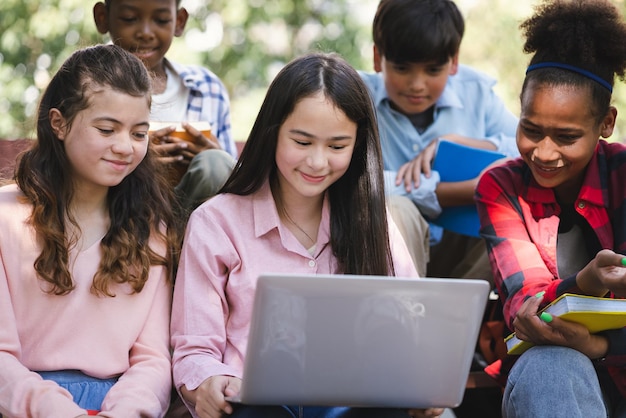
{"type": "Point", "coordinates": [36, 36]}
{"type": "Point", "coordinates": [245, 42]}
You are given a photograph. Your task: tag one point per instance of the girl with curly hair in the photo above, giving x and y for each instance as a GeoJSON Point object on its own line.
{"type": "Point", "coordinates": [553, 219]}
{"type": "Point", "coordinates": [88, 243]}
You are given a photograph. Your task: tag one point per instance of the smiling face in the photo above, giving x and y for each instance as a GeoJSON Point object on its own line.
{"type": "Point", "coordinates": [314, 149]}
{"type": "Point", "coordinates": [107, 140]}
{"type": "Point", "coordinates": [144, 27]}
{"type": "Point", "coordinates": [557, 135]}
{"type": "Point", "coordinates": [414, 87]}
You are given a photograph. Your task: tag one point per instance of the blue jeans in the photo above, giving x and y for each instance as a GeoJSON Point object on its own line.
{"type": "Point", "coordinates": [88, 392]}
{"type": "Point", "coordinates": [551, 381]}
{"type": "Point", "coordinates": [315, 412]}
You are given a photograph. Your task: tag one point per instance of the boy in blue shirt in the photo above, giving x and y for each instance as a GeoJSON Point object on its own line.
{"type": "Point", "coordinates": [181, 93]}
{"type": "Point", "coordinates": [422, 95]}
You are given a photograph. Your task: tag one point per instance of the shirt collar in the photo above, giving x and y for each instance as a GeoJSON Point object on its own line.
{"type": "Point", "coordinates": [266, 217]}
{"type": "Point", "coordinates": [190, 78]}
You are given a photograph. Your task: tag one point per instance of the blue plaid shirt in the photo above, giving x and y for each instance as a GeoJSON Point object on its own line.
{"type": "Point", "coordinates": [208, 101]}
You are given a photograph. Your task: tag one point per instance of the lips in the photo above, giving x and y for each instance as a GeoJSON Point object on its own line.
{"type": "Point", "coordinates": [547, 172]}
{"type": "Point", "coordinates": [312, 179]}
{"type": "Point", "coordinates": [144, 53]}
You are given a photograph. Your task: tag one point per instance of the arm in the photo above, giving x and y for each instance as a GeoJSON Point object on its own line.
{"type": "Point", "coordinates": [200, 311]}
{"type": "Point", "coordinates": [144, 388]}
{"type": "Point", "coordinates": [22, 392]}
{"type": "Point", "coordinates": [519, 270]}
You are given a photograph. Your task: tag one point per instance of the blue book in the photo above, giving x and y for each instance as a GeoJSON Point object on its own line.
{"type": "Point", "coordinates": [456, 162]}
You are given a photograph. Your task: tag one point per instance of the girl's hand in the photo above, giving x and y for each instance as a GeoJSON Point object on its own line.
{"type": "Point", "coordinates": [556, 331]}
{"type": "Point", "coordinates": [209, 396]}
{"type": "Point", "coordinates": [426, 413]}
{"type": "Point", "coordinates": [606, 272]}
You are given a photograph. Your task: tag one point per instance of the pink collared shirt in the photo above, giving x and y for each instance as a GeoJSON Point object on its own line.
{"type": "Point", "coordinates": [230, 240]}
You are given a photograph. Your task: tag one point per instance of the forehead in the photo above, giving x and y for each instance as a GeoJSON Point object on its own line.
{"type": "Point", "coordinates": [142, 4]}
{"type": "Point", "coordinates": [563, 103]}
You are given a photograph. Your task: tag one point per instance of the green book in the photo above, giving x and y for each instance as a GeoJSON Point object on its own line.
{"type": "Point", "coordinates": [596, 313]}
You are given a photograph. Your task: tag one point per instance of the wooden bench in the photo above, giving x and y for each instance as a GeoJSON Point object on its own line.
{"type": "Point", "coordinates": [9, 150]}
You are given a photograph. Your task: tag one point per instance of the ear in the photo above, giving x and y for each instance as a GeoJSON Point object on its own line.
{"type": "Point", "coordinates": [608, 123]}
{"type": "Point", "coordinates": [181, 20]}
{"type": "Point", "coordinates": [101, 17]}
{"type": "Point", "coordinates": [57, 123]}
{"type": "Point", "coordinates": [378, 66]}
{"type": "Point", "coordinates": [454, 64]}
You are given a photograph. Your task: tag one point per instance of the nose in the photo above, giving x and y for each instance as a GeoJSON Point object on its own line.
{"type": "Point", "coordinates": [123, 144]}
{"type": "Point", "coordinates": [546, 151]}
{"type": "Point", "coordinates": [417, 82]}
{"type": "Point", "coordinates": [144, 31]}
{"type": "Point", "coordinates": [317, 159]}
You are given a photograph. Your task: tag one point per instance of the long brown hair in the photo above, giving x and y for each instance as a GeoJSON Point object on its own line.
{"type": "Point", "coordinates": [140, 208]}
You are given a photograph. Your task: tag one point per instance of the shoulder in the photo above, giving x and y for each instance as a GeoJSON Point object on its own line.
{"type": "Point", "coordinates": [14, 210]}
{"type": "Point", "coordinates": [222, 209]}
{"type": "Point", "coordinates": [10, 196]}
{"type": "Point", "coordinates": [509, 176]}
{"type": "Point", "coordinates": [197, 75]}
{"type": "Point", "coordinates": [612, 149]}
{"type": "Point", "coordinates": [373, 81]}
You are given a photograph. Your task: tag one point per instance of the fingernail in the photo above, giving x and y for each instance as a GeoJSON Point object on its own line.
{"type": "Point", "coordinates": [624, 261]}
{"type": "Point", "coordinates": [540, 294]}
{"type": "Point", "coordinates": [545, 317]}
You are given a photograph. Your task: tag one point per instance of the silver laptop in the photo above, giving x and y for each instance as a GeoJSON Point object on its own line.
{"type": "Point", "coordinates": [361, 340]}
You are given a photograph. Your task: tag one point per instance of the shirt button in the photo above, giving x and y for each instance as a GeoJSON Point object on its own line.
{"type": "Point", "coordinates": [311, 263]}
{"type": "Point", "coordinates": [416, 147]}
{"type": "Point", "coordinates": [581, 205]}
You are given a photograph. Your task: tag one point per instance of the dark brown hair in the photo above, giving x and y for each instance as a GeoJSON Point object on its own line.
{"type": "Point", "coordinates": [357, 199]}
{"type": "Point", "coordinates": [141, 207]}
{"type": "Point", "coordinates": [420, 31]}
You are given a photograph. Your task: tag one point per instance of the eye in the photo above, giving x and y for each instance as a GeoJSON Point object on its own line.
{"type": "Point", "coordinates": [531, 133]}
{"type": "Point", "coordinates": [163, 22]}
{"type": "Point", "coordinates": [128, 19]}
{"type": "Point", "coordinates": [142, 135]}
{"type": "Point", "coordinates": [435, 70]}
{"type": "Point", "coordinates": [105, 131]}
{"type": "Point", "coordinates": [568, 138]}
{"type": "Point", "coordinates": [301, 142]}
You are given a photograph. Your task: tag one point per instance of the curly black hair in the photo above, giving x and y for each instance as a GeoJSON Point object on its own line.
{"type": "Point", "coordinates": [586, 34]}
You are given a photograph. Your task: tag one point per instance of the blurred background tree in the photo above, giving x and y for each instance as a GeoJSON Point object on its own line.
{"type": "Point", "coordinates": [245, 42]}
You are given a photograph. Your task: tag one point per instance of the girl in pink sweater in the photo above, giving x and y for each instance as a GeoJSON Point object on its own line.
{"type": "Point", "coordinates": [86, 252]}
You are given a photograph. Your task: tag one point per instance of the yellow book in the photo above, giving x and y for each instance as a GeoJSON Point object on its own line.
{"type": "Point", "coordinates": [597, 314]}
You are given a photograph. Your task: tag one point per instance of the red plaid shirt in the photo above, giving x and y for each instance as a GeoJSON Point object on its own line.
{"type": "Point", "coordinates": [520, 221]}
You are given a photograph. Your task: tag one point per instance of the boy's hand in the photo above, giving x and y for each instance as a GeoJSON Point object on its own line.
{"type": "Point", "coordinates": [410, 173]}
{"type": "Point", "coordinates": [172, 149]}
{"type": "Point", "coordinates": [167, 147]}
{"type": "Point", "coordinates": [199, 142]}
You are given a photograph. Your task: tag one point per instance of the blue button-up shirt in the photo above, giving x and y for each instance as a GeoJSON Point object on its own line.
{"type": "Point", "coordinates": [468, 106]}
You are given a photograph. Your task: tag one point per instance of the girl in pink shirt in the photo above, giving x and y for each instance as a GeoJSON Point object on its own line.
{"type": "Point", "coordinates": [86, 251]}
{"type": "Point", "coordinates": [305, 196]}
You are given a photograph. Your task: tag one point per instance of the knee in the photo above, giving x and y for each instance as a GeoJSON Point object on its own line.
{"type": "Point", "coordinates": [563, 363]}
